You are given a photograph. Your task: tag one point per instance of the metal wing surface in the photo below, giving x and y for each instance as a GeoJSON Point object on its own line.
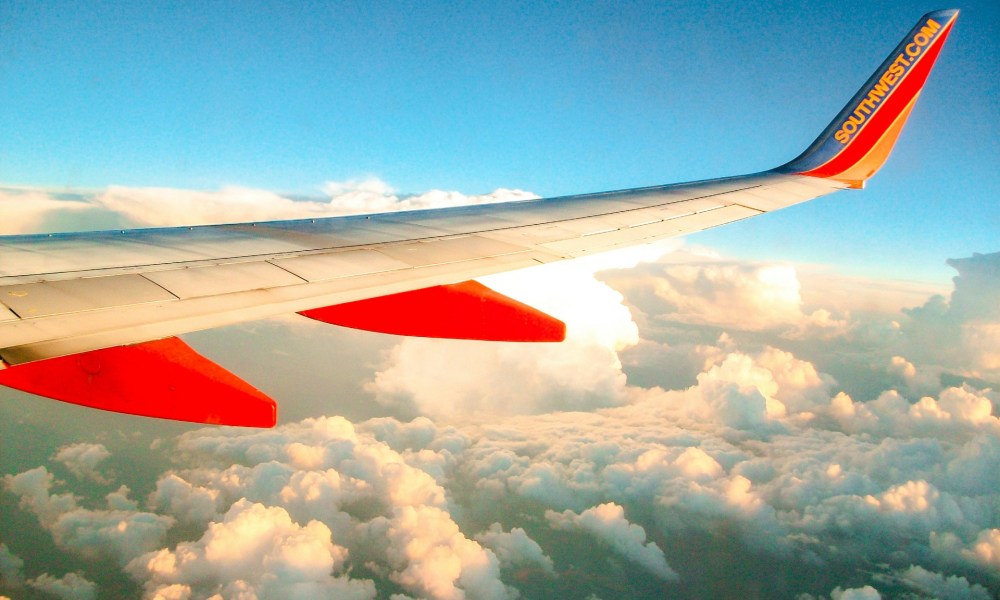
{"type": "Point", "coordinates": [76, 292]}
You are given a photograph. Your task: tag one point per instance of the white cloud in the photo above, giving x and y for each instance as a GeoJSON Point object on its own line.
{"type": "Point", "coordinates": [485, 379]}
{"type": "Point", "coordinates": [119, 500]}
{"type": "Point", "coordinates": [10, 568]}
{"type": "Point", "coordinates": [82, 459]}
{"type": "Point", "coordinates": [373, 195]}
{"type": "Point", "coordinates": [758, 394]}
{"type": "Point", "coordinates": [515, 548]}
{"type": "Point", "coordinates": [32, 211]}
{"type": "Point", "coordinates": [392, 495]}
{"type": "Point", "coordinates": [122, 534]}
{"type": "Point", "coordinates": [982, 341]}
{"type": "Point", "coordinates": [982, 552]}
{"type": "Point", "coordinates": [333, 472]}
{"type": "Point", "coordinates": [114, 533]}
{"type": "Point", "coordinates": [957, 414]}
{"type": "Point", "coordinates": [902, 367]}
{"type": "Point", "coordinates": [162, 207]}
{"type": "Point", "coordinates": [32, 487]}
{"type": "Point", "coordinates": [700, 290]}
{"type": "Point", "coordinates": [607, 523]}
{"type": "Point", "coordinates": [186, 502]}
{"type": "Point", "coordinates": [963, 331]}
{"type": "Point", "coordinates": [863, 593]}
{"type": "Point", "coordinates": [71, 586]}
{"type": "Point", "coordinates": [432, 557]}
{"type": "Point", "coordinates": [165, 207]}
{"type": "Point", "coordinates": [986, 549]}
{"type": "Point", "coordinates": [26, 211]}
{"type": "Point", "coordinates": [261, 549]}
{"type": "Point", "coordinates": [183, 592]}
{"type": "Point", "coordinates": [936, 585]}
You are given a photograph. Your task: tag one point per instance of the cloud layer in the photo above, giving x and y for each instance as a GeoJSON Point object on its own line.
{"type": "Point", "coordinates": [40, 211]}
{"type": "Point", "coordinates": [707, 416]}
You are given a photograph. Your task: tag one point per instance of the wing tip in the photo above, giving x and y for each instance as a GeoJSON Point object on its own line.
{"type": "Point", "coordinates": [856, 144]}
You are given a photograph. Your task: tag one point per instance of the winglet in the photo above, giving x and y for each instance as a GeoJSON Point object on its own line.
{"type": "Point", "coordinates": [856, 144]}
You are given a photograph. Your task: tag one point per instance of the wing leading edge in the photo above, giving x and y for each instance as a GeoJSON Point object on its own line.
{"type": "Point", "coordinates": [70, 301]}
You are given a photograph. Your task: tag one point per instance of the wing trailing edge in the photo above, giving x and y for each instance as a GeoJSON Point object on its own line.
{"type": "Point", "coordinates": [463, 311]}
{"type": "Point", "coordinates": [163, 378]}
{"type": "Point", "coordinates": [857, 143]}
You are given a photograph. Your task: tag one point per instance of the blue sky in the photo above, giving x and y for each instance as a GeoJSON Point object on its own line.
{"type": "Point", "coordinates": [555, 99]}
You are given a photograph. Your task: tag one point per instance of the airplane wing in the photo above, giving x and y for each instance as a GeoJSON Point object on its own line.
{"type": "Point", "coordinates": [90, 318]}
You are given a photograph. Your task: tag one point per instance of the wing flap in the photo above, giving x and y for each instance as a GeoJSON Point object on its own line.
{"type": "Point", "coordinates": [672, 225]}
{"type": "Point", "coordinates": [336, 265]}
{"type": "Point", "coordinates": [164, 378]}
{"type": "Point", "coordinates": [75, 295]}
{"type": "Point", "coordinates": [193, 282]}
{"type": "Point", "coordinates": [463, 311]}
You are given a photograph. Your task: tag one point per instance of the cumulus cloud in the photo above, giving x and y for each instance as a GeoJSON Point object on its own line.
{"type": "Point", "coordinates": [607, 523]}
{"type": "Point", "coordinates": [863, 593]}
{"type": "Point", "coordinates": [433, 558]}
{"type": "Point", "coordinates": [113, 532]}
{"type": "Point", "coordinates": [484, 379]}
{"type": "Point", "coordinates": [790, 485]}
{"type": "Point", "coordinates": [71, 586]}
{"type": "Point", "coordinates": [985, 549]}
{"type": "Point", "coordinates": [935, 585]}
{"type": "Point", "coordinates": [257, 550]}
{"type": "Point", "coordinates": [515, 548]}
{"type": "Point", "coordinates": [761, 457]}
{"type": "Point", "coordinates": [10, 568]}
{"type": "Point", "coordinates": [391, 496]}
{"type": "Point", "coordinates": [707, 290]}
{"type": "Point", "coordinates": [82, 459]}
{"type": "Point", "coordinates": [186, 502]}
{"type": "Point", "coordinates": [688, 294]}
{"type": "Point", "coordinates": [958, 413]}
{"type": "Point", "coordinates": [380, 504]}
{"type": "Point", "coordinates": [963, 331]}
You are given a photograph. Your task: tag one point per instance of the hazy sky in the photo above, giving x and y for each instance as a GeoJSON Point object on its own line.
{"type": "Point", "coordinates": [802, 405]}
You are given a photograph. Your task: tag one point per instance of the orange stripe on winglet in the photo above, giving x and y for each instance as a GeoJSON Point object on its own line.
{"type": "Point", "coordinates": [868, 150]}
{"type": "Point", "coordinates": [870, 163]}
